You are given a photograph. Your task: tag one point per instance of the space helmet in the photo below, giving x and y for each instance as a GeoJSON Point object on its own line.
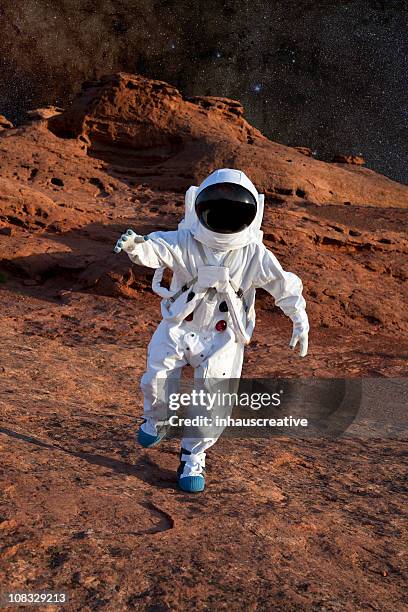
{"type": "Point", "coordinates": [226, 202]}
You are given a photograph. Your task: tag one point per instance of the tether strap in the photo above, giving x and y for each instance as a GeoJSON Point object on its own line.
{"type": "Point", "coordinates": [184, 288]}
{"type": "Point", "coordinates": [228, 260]}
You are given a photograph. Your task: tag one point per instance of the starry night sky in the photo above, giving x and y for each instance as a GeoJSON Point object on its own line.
{"type": "Point", "coordinates": [331, 75]}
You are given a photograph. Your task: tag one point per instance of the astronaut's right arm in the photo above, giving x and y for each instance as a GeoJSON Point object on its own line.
{"type": "Point", "coordinates": [156, 250]}
{"type": "Point", "coordinates": [286, 288]}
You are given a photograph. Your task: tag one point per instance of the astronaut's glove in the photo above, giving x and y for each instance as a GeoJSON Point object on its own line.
{"type": "Point", "coordinates": [127, 241]}
{"type": "Point", "coordinates": [300, 333]}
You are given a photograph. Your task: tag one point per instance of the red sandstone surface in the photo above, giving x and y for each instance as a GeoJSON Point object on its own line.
{"type": "Point", "coordinates": [284, 523]}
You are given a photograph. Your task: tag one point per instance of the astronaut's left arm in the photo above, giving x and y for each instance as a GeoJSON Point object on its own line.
{"type": "Point", "coordinates": [286, 289]}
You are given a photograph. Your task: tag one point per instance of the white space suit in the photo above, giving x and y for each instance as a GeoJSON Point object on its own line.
{"type": "Point", "coordinates": [218, 260]}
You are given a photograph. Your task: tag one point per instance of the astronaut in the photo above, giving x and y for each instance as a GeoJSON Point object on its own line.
{"type": "Point", "coordinates": [218, 260]}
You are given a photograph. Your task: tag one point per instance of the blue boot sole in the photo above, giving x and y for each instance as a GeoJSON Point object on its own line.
{"type": "Point", "coordinates": [192, 484]}
{"type": "Point", "coordinates": [147, 440]}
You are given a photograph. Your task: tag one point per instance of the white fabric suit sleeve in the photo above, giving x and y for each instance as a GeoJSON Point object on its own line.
{"type": "Point", "coordinates": [286, 288]}
{"type": "Point", "coordinates": [160, 249]}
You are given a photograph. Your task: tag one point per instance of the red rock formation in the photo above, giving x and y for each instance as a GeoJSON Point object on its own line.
{"type": "Point", "coordinates": [5, 123]}
{"type": "Point", "coordinates": [146, 128]}
{"type": "Point", "coordinates": [355, 160]}
{"type": "Point", "coordinates": [25, 207]}
{"type": "Point", "coordinates": [44, 113]}
{"type": "Point", "coordinates": [305, 151]}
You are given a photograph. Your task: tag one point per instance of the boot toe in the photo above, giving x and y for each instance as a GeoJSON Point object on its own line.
{"type": "Point", "coordinates": [147, 440]}
{"type": "Point", "coordinates": [192, 484]}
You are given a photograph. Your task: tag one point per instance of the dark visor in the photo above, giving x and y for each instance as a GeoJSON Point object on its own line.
{"type": "Point", "coordinates": [225, 208]}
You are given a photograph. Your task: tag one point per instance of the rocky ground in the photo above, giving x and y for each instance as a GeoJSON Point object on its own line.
{"type": "Point", "coordinates": [284, 523]}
